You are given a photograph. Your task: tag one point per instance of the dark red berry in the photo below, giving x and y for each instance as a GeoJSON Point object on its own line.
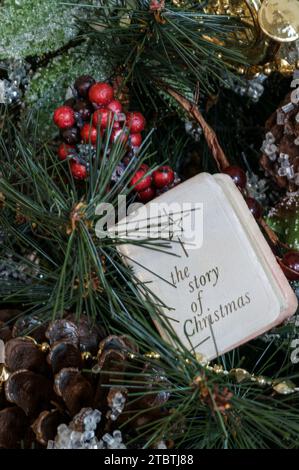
{"type": "Point", "coordinates": [64, 117]}
{"type": "Point", "coordinates": [83, 108]}
{"type": "Point", "coordinates": [115, 106]}
{"type": "Point", "coordinates": [70, 102]}
{"type": "Point", "coordinates": [164, 176]}
{"type": "Point", "coordinates": [65, 150]}
{"type": "Point", "coordinates": [142, 182]}
{"type": "Point", "coordinates": [135, 122]}
{"type": "Point", "coordinates": [71, 136]}
{"type": "Point", "coordinates": [136, 140]}
{"type": "Point", "coordinates": [237, 174]}
{"type": "Point", "coordinates": [291, 261]}
{"type": "Point", "coordinates": [79, 171]}
{"type": "Point", "coordinates": [102, 117]}
{"type": "Point", "coordinates": [147, 195]}
{"type": "Point", "coordinates": [89, 134]}
{"type": "Point", "coordinates": [83, 84]}
{"type": "Point", "coordinates": [255, 207]}
{"type": "Point", "coordinates": [101, 94]}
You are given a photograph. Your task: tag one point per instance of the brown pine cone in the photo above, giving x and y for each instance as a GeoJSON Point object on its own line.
{"type": "Point", "coordinates": [50, 379]}
{"type": "Point", "coordinates": [280, 148]}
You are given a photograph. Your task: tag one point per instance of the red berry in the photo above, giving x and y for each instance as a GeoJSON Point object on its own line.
{"type": "Point", "coordinates": [164, 176]}
{"type": "Point", "coordinates": [237, 174]}
{"type": "Point", "coordinates": [78, 171]}
{"type": "Point", "coordinates": [101, 94]}
{"type": "Point", "coordinates": [102, 117]}
{"type": "Point", "coordinates": [255, 208]}
{"type": "Point", "coordinates": [116, 125]}
{"type": "Point", "coordinates": [135, 122]}
{"type": "Point", "coordinates": [136, 140]}
{"type": "Point", "coordinates": [142, 182]}
{"type": "Point", "coordinates": [65, 150]}
{"type": "Point", "coordinates": [147, 195]}
{"type": "Point", "coordinates": [144, 167]}
{"type": "Point", "coordinates": [89, 134]}
{"type": "Point", "coordinates": [119, 135]}
{"type": "Point", "coordinates": [291, 261]}
{"type": "Point", "coordinates": [64, 117]}
{"type": "Point", "coordinates": [115, 106]}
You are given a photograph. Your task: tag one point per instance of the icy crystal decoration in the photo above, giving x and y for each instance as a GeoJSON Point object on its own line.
{"type": "Point", "coordinates": [161, 445]}
{"type": "Point", "coordinates": [280, 117]}
{"type": "Point", "coordinates": [113, 441]}
{"type": "Point", "coordinates": [194, 130]}
{"type": "Point", "coordinates": [68, 437]}
{"type": "Point", "coordinates": [117, 407]}
{"type": "Point", "coordinates": [14, 270]}
{"type": "Point", "coordinates": [252, 88]}
{"type": "Point", "coordinates": [257, 187]}
{"type": "Point", "coordinates": [288, 107]}
{"type": "Point", "coordinates": [268, 147]}
{"type": "Point", "coordinates": [86, 154]}
{"type": "Point", "coordinates": [285, 169]}
{"type": "Point", "coordinates": [17, 76]}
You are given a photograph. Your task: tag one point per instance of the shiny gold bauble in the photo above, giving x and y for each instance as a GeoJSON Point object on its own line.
{"type": "Point", "coordinates": [279, 19]}
{"type": "Point", "coordinates": [45, 348]}
{"type": "Point", "coordinates": [267, 24]}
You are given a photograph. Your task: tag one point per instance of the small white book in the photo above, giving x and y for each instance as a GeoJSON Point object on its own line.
{"type": "Point", "coordinates": [215, 275]}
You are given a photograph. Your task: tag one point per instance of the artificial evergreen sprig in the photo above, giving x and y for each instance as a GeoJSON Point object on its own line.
{"type": "Point", "coordinates": [208, 407]}
{"type": "Point", "coordinates": [47, 213]}
{"type": "Point", "coordinates": [178, 44]}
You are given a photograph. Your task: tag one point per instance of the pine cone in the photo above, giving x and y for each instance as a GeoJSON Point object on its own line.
{"type": "Point", "coordinates": [280, 148]}
{"type": "Point", "coordinates": [49, 383]}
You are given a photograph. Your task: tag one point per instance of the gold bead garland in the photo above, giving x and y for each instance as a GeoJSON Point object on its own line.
{"type": "Point", "coordinates": [280, 386]}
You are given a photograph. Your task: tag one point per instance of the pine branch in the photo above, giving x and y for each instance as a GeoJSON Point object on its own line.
{"type": "Point", "coordinates": [205, 408]}
{"type": "Point", "coordinates": [48, 213]}
{"type": "Point", "coordinates": [183, 45]}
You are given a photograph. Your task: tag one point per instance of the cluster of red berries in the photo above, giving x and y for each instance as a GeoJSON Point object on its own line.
{"type": "Point", "coordinates": [148, 186]}
{"type": "Point", "coordinates": [92, 109]}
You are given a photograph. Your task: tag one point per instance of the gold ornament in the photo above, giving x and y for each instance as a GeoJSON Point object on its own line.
{"type": "Point", "coordinates": [240, 375]}
{"type": "Point", "coordinates": [45, 348]}
{"type": "Point", "coordinates": [252, 41]}
{"type": "Point", "coordinates": [286, 387]}
{"type": "Point", "coordinates": [261, 49]}
{"type": "Point", "coordinates": [279, 19]}
{"type": "Point", "coordinates": [262, 381]}
{"type": "Point", "coordinates": [86, 356]}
